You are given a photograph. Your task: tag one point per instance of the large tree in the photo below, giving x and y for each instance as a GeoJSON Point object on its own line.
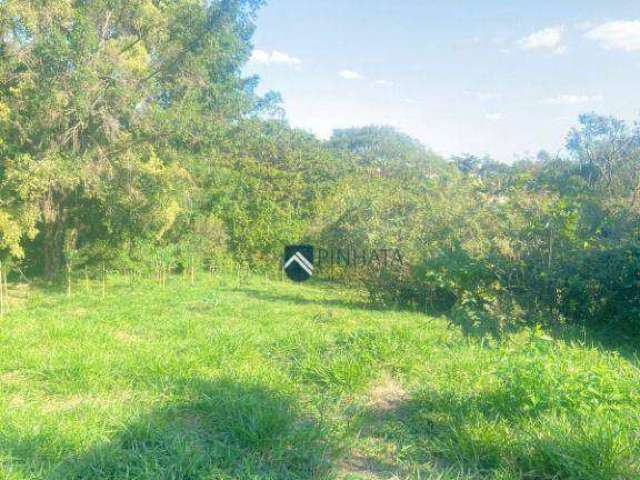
{"type": "Point", "coordinates": [386, 151]}
{"type": "Point", "coordinates": [98, 102]}
{"type": "Point", "coordinates": [608, 154]}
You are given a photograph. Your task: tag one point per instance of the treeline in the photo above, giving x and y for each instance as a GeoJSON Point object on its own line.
{"type": "Point", "coordinates": [129, 138]}
{"type": "Point", "coordinates": [546, 239]}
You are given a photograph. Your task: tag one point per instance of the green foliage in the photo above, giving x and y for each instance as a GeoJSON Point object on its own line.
{"type": "Point", "coordinates": [500, 245]}
{"type": "Point", "coordinates": [130, 139]}
{"type": "Point", "coordinates": [386, 151]}
{"type": "Point", "coordinates": [100, 103]}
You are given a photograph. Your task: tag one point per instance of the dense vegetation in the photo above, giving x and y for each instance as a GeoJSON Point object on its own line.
{"type": "Point", "coordinates": [133, 150]}
{"type": "Point", "coordinates": [264, 379]}
{"type": "Point", "coordinates": [130, 140]}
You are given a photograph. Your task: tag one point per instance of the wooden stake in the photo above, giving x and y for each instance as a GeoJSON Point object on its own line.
{"type": "Point", "coordinates": [6, 290]}
{"type": "Point", "coordinates": [104, 282]}
{"type": "Point", "coordinates": [69, 280]}
{"type": "Point", "coordinates": [1, 292]}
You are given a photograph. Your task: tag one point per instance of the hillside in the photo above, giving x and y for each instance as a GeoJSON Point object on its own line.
{"type": "Point", "coordinates": [272, 380]}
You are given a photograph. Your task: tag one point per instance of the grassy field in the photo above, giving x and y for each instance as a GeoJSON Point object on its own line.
{"type": "Point", "coordinates": [271, 380]}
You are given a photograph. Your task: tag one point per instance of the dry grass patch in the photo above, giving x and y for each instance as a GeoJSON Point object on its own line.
{"type": "Point", "coordinates": [126, 337]}
{"type": "Point", "coordinates": [374, 458]}
{"type": "Point", "coordinates": [72, 402]}
{"type": "Point", "coordinates": [386, 395]}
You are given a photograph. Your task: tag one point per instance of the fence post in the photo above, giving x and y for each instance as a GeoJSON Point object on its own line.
{"type": "Point", "coordinates": [68, 280]}
{"type": "Point", "coordinates": [1, 292]}
{"type": "Point", "coordinates": [104, 282]}
{"type": "Point", "coordinates": [6, 289]}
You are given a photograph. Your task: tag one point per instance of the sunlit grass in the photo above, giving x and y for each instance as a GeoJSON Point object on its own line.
{"type": "Point", "coordinates": [267, 379]}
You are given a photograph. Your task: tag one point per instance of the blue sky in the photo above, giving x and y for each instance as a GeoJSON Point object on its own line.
{"type": "Point", "coordinates": [487, 77]}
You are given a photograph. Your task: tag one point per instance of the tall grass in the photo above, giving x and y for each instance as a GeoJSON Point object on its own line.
{"type": "Point", "coordinates": [271, 380]}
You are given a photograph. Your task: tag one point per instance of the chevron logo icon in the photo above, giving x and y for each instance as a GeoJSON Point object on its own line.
{"type": "Point", "coordinates": [298, 262]}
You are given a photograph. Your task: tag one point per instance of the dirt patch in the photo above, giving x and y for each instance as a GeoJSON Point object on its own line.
{"type": "Point", "coordinates": [12, 377]}
{"type": "Point", "coordinates": [64, 404]}
{"type": "Point", "coordinates": [362, 467]}
{"type": "Point", "coordinates": [386, 394]}
{"type": "Point", "coordinates": [16, 401]}
{"type": "Point", "coordinates": [382, 401]}
{"type": "Point", "coordinates": [72, 402]}
{"type": "Point", "coordinates": [126, 337]}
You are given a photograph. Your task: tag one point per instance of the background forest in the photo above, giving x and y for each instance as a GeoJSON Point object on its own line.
{"type": "Point", "coordinates": [130, 140]}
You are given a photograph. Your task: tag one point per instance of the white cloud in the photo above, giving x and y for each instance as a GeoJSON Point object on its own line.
{"type": "Point", "coordinates": [619, 35]}
{"type": "Point", "coordinates": [482, 96]}
{"type": "Point", "coordinates": [586, 25]}
{"type": "Point", "coordinates": [260, 56]}
{"type": "Point", "coordinates": [545, 39]}
{"type": "Point", "coordinates": [264, 57]}
{"type": "Point", "coordinates": [383, 83]}
{"type": "Point", "coordinates": [350, 75]}
{"type": "Point", "coordinates": [493, 117]}
{"type": "Point", "coordinates": [561, 50]}
{"type": "Point", "coordinates": [568, 99]}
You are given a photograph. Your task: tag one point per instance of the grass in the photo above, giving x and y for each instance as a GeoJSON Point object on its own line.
{"type": "Point", "coordinates": [271, 380]}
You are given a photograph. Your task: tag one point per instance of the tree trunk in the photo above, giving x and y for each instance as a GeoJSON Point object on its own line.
{"type": "Point", "coordinates": [53, 248]}
{"type": "Point", "coordinates": [53, 236]}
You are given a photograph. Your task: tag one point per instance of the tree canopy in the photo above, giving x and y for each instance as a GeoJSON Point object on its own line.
{"type": "Point", "coordinates": [130, 135]}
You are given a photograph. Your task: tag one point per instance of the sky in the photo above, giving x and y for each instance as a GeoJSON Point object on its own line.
{"type": "Point", "coordinates": [501, 78]}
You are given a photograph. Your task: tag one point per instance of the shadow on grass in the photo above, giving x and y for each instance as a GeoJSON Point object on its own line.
{"type": "Point", "coordinates": [612, 337]}
{"type": "Point", "coordinates": [500, 435]}
{"type": "Point", "coordinates": [224, 429]}
{"type": "Point", "coordinates": [622, 339]}
{"type": "Point", "coordinates": [616, 338]}
{"type": "Point", "coordinates": [300, 300]}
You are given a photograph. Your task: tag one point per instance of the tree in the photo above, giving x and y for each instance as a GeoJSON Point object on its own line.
{"type": "Point", "coordinates": [267, 186]}
{"type": "Point", "coordinates": [386, 151]}
{"type": "Point", "coordinates": [607, 152]}
{"type": "Point", "coordinates": [106, 94]}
